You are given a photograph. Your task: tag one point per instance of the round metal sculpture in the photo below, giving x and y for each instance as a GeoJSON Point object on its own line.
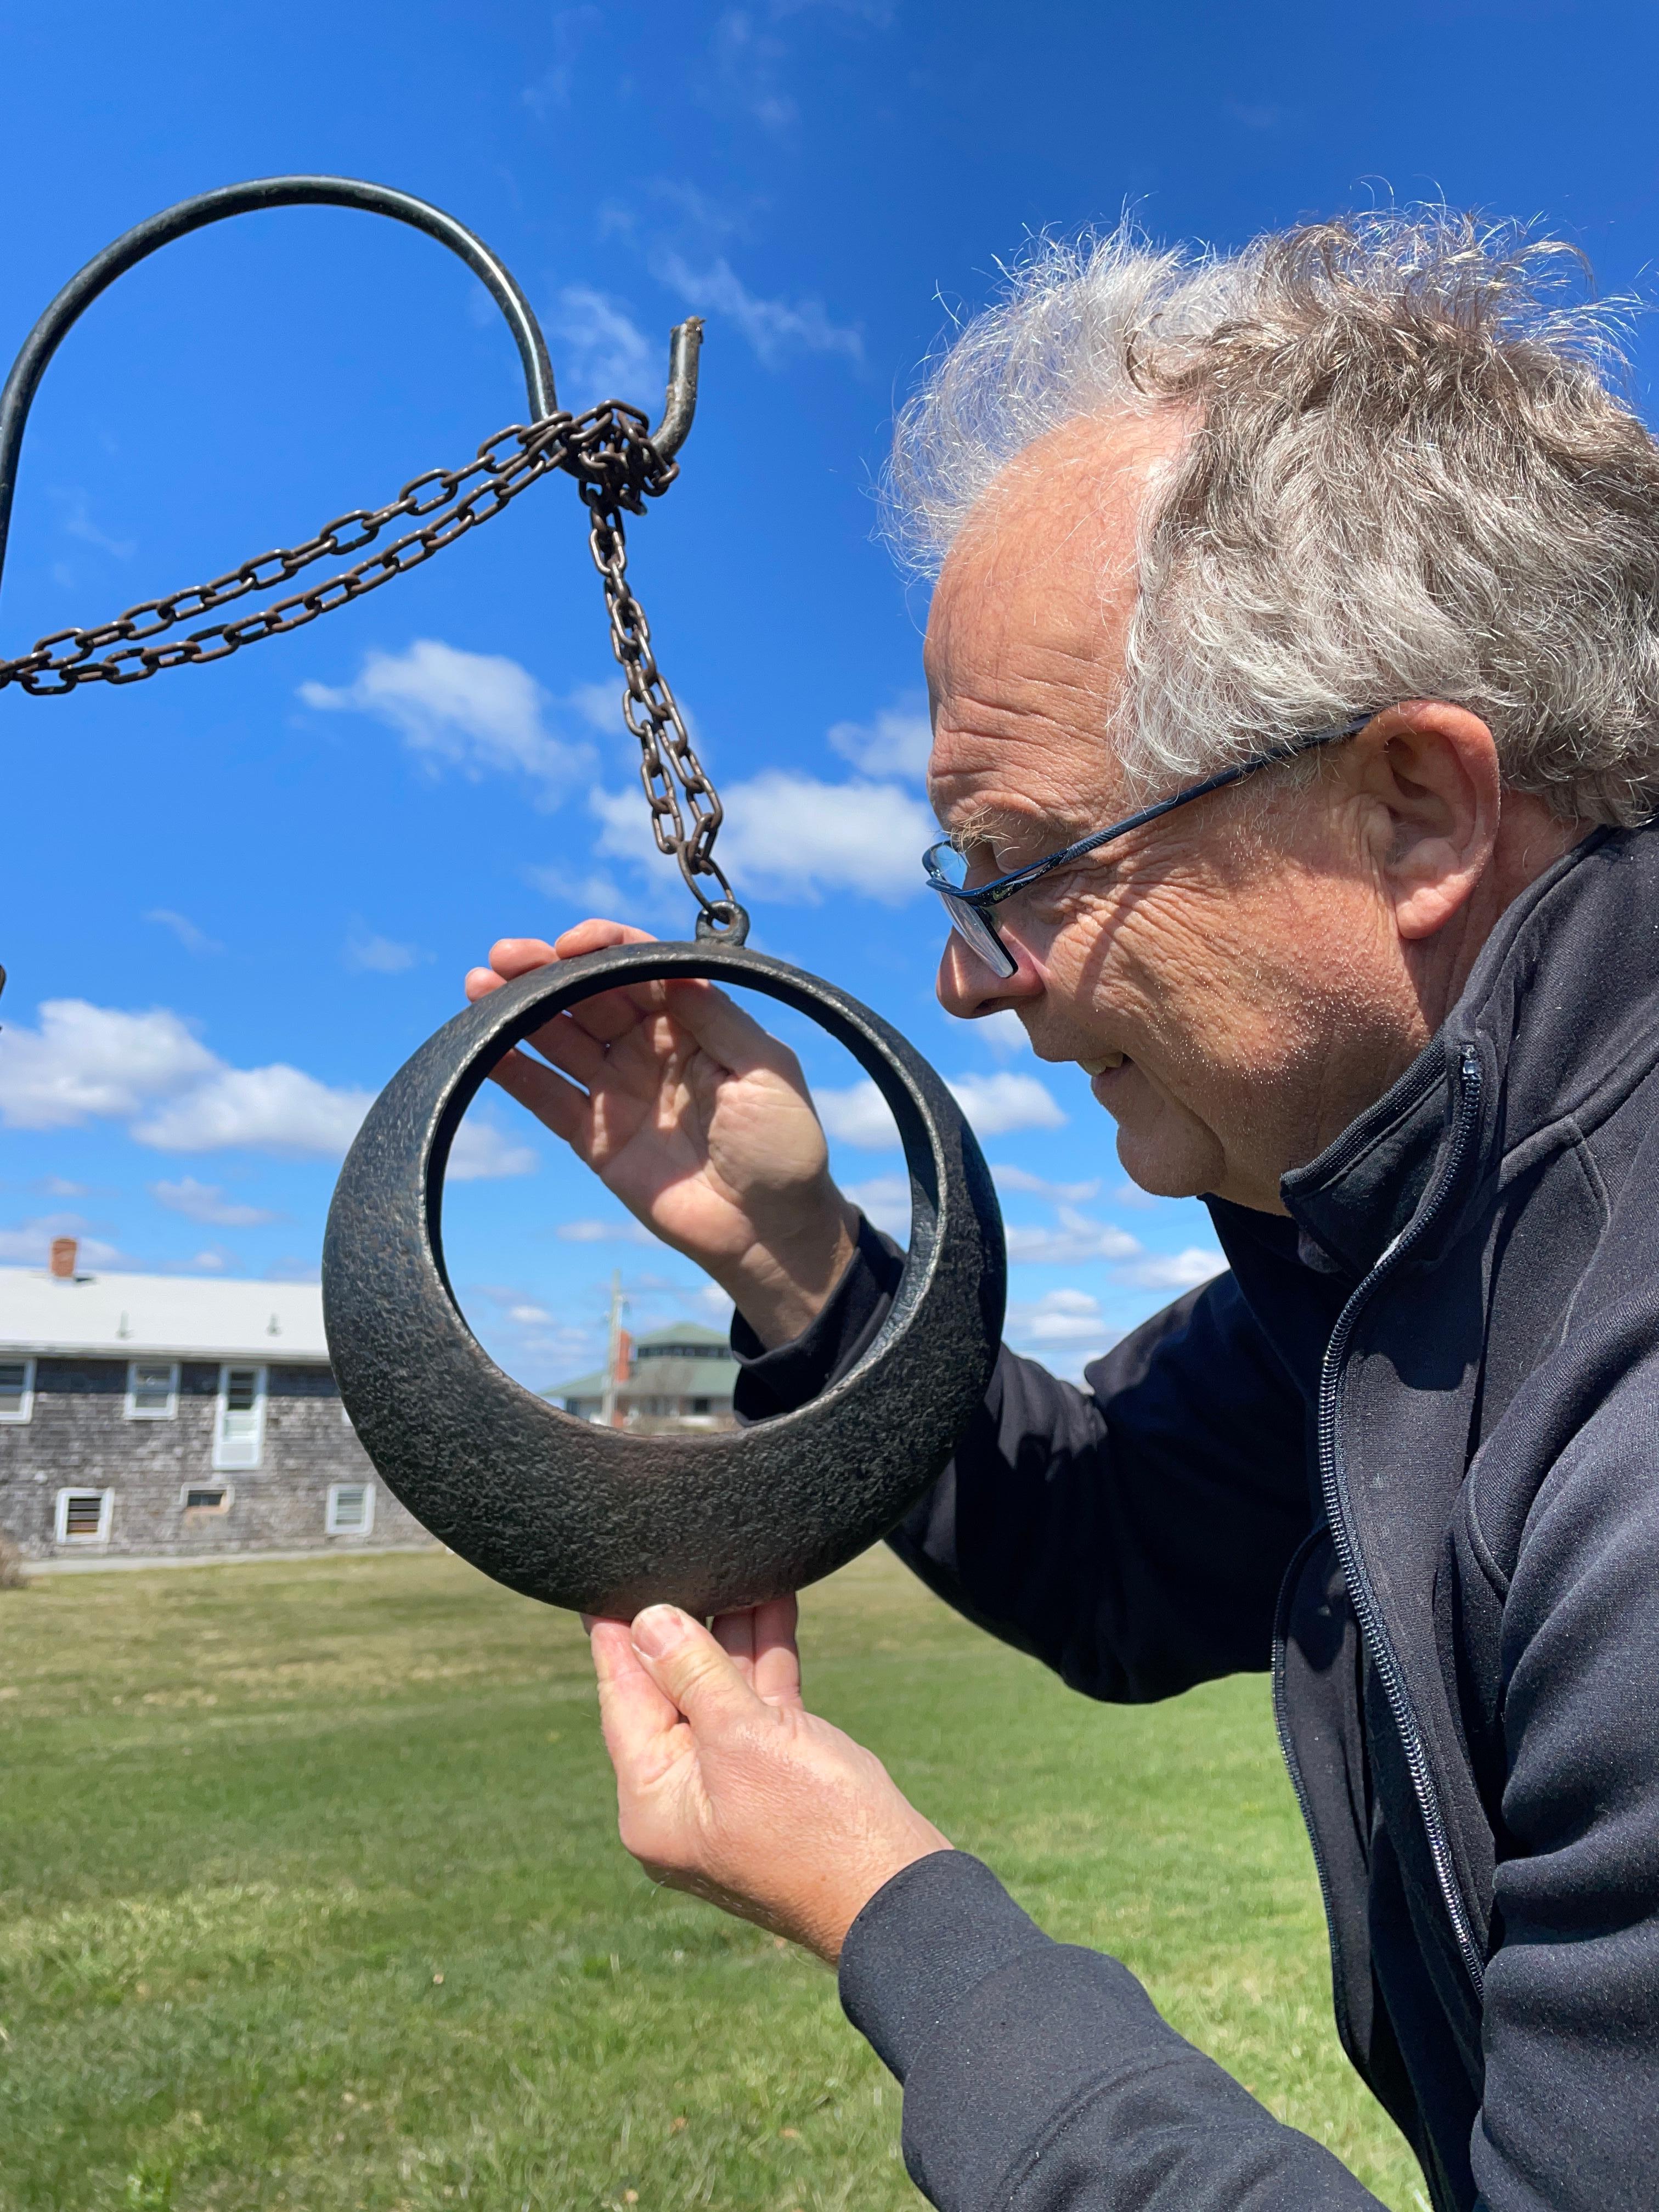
{"type": "Point", "coordinates": [594, 1518]}
{"type": "Point", "coordinates": [562, 1510]}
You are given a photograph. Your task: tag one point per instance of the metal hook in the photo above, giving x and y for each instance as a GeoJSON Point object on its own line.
{"type": "Point", "coordinates": [176, 222]}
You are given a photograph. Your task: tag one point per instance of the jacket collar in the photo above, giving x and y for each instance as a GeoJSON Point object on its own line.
{"type": "Point", "coordinates": [1559, 1007]}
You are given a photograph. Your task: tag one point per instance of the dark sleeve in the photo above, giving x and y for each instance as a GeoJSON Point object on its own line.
{"type": "Point", "coordinates": [1131, 1535]}
{"type": "Point", "coordinates": [1570, 2111]}
{"type": "Point", "coordinates": [1039, 2077]}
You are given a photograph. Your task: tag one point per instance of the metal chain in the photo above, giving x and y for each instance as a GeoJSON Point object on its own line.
{"type": "Point", "coordinates": [608, 450]}
{"type": "Point", "coordinates": [675, 782]}
{"type": "Point", "coordinates": [440, 501]}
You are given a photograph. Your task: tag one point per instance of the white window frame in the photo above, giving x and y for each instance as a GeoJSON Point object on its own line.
{"type": "Point", "coordinates": [26, 1405]}
{"type": "Point", "coordinates": [223, 1506]}
{"type": "Point", "coordinates": [105, 1514]}
{"type": "Point", "coordinates": [237, 1455]}
{"type": "Point", "coordinates": [330, 1521]}
{"type": "Point", "coordinates": [135, 1412]}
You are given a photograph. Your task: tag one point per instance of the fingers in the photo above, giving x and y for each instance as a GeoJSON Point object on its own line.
{"type": "Point", "coordinates": [611, 1012]}
{"type": "Point", "coordinates": [512, 956]}
{"type": "Point", "coordinates": [568, 1046]}
{"type": "Point", "coordinates": [760, 1641]}
{"type": "Point", "coordinates": [777, 1656]}
{"type": "Point", "coordinates": [721, 1027]}
{"type": "Point", "coordinates": [735, 1634]}
{"type": "Point", "coordinates": [595, 936]}
{"type": "Point", "coordinates": [637, 1717]}
{"type": "Point", "coordinates": [558, 1105]}
{"type": "Point", "coordinates": [688, 1665]}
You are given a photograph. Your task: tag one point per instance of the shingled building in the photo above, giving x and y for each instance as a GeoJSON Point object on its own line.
{"type": "Point", "coordinates": [166, 1417]}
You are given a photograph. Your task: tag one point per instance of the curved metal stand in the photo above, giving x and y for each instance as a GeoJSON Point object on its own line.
{"type": "Point", "coordinates": [576, 1515]}
{"type": "Point", "coordinates": [158, 230]}
{"type": "Point", "coordinates": [605, 1523]}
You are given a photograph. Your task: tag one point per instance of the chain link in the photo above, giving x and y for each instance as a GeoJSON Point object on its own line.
{"type": "Point", "coordinates": [608, 450]}
{"type": "Point", "coordinates": [674, 784]}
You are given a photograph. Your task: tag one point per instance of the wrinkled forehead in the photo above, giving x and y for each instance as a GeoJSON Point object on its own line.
{"type": "Point", "coordinates": [1051, 546]}
{"type": "Point", "coordinates": [1026, 633]}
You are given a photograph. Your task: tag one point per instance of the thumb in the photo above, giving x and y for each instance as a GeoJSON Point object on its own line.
{"type": "Point", "coordinates": [686, 1663]}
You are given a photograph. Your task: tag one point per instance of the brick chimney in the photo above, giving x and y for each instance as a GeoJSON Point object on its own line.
{"type": "Point", "coordinates": [60, 1266]}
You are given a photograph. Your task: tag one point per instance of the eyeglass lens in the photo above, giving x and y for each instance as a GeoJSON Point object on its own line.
{"type": "Point", "coordinates": [977, 934]}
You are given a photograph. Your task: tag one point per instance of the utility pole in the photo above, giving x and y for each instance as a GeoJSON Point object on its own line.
{"type": "Point", "coordinates": [617, 1351]}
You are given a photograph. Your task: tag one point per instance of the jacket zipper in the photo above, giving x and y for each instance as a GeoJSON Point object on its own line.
{"type": "Point", "coordinates": [1334, 1488]}
{"type": "Point", "coordinates": [1292, 1765]}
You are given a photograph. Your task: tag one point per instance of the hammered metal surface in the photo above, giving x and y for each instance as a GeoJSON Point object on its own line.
{"type": "Point", "coordinates": [594, 1518]}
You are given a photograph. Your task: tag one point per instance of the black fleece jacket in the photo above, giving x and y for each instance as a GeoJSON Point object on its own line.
{"type": "Point", "coordinates": [1406, 1452]}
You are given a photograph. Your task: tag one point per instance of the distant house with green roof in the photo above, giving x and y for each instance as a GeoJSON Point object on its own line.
{"type": "Point", "coordinates": [677, 1378]}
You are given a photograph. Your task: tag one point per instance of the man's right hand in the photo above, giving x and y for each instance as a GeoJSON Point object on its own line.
{"type": "Point", "coordinates": [694, 1118]}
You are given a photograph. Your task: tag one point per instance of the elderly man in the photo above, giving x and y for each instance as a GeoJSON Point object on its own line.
{"type": "Point", "coordinates": [1295, 666]}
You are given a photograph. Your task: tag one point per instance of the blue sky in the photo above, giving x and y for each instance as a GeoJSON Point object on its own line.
{"type": "Point", "coordinates": [239, 897]}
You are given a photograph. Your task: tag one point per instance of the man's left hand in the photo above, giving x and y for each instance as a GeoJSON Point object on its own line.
{"type": "Point", "coordinates": [727, 1786]}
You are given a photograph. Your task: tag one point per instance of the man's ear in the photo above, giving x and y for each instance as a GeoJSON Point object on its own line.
{"type": "Point", "coordinates": [1430, 771]}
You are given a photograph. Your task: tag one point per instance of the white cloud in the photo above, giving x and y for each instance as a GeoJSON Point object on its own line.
{"type": "Point", "coordinates": [1003, 1032]}
{"type": "Point", "coordinates": [193, 938]}
{"type": "Point", "coordinates": [795, 837]}
{"type": "Point", "coordinates": [368, 954]}
{"type": "Point", "coordinates": [478, 712]}
{"type": "Point", "coordinates": [774, 328]}
{"type": "Point", "coordinates": [605, 1232]}
{"type": "Point", "coordinates": [1066, 1194]}
{"type": "Point", "coordinates": [552, 89]}
{"type": "Point", "coordinates": [886, 1200]}
{"type": "Point", "coordinates": [206, 1202]}
{"type": "Point", "coordinates": [1074, 1237]}
{"type": "Point", "coordinates": [530, 1316]}
{"type": "Point", "coordinates": [749, 59]}
{"type": "Point", "coordinates": [1060, 1317]}
{"type": "Point", "coordinates": [28, 1243]}
{"type": "Point", "coordinates": [857, 1116]}
{"type": "Point", "coordinates": [75, 522]}
{"type": "Point", "coordinates": [481, 1153]}
{"type": "Point", "coordinates": [1175, 1271]}
{"type": "Point", "coordinates": [896, 743]}
{"type": "Point", "coordinates": [608, 355]}
{"type": "Point", "coordinates": [277, 1108]}
{"type": "Point", "coordinates": [86, 1061]}
{"type": "Point", "coordinates": [653, 893]}
{"type": "Point", "coordinates": [600, 706]}
{"type": "Point", "coordinates": [996, 1104]}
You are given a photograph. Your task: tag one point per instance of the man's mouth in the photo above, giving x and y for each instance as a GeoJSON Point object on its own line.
{"type": "Point", "coordinates": [1101, 1063]}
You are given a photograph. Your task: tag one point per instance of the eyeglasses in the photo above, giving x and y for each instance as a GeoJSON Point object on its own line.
{"type": "Point", "coordinates": [970, 911]}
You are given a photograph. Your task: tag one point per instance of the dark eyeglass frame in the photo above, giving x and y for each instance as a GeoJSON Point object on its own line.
{"type": "Point", "coordinates": [970, 911]}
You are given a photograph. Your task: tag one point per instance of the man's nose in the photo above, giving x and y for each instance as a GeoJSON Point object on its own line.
{"type": "Point", "coordinates": [968, 988]}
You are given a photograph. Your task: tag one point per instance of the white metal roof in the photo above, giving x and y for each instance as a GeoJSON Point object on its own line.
{"type": "Point", "coordinates": [185, 1316]}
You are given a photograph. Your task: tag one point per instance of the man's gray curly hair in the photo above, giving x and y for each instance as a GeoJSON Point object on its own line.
{"type": "Point", "coordinates": [1408, 477]}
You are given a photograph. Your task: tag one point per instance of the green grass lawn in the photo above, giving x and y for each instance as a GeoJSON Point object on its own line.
{"type": "Point", "coordinates": [310, 1896]}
